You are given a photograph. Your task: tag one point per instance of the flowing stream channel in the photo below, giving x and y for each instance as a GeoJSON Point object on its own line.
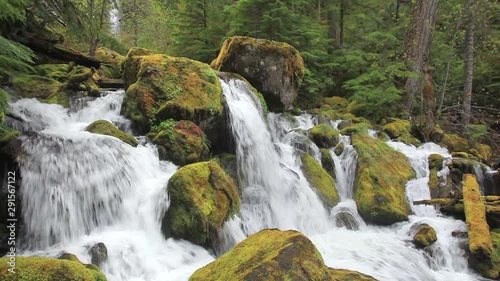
{"type": "Point", "coordinates": [79, 189]}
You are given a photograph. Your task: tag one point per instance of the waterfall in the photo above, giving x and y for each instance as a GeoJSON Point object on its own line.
{"type": "Point", "coordinates": [80, 188]}
{"type": "Point", "coordinates": [275, 191]}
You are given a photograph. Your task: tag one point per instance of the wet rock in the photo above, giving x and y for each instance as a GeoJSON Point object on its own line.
{"type": "Point", "coordinates": [104, 127]}
{"type": "Point", "coordinates": [98, 254]}
{"type": "Point", "coordinates": [320, 180]}
{"type": "Point", "coordinates": [273, 255]}
{"type": "Point", "coordinates": [274, 68]}
{"type": "Point", "coordinates": [425, 236]}
{"type": "Point", "coordinates": [202, 197]}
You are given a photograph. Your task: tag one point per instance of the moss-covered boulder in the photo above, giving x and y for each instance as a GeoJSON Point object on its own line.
{"type": "Point", "coordinates": [104, 127]}
{"type": "Point", "coordinates": [111, 62]}
{"type": "Point", "coordinates": [49, 269]}
{"type": "Point", "coordinates": [320, 180]}
{"type": "Point", "coordinates": [324, 136]}
{"type": "Point", "coordinates": [271, 255]}
{"type": "Point", "coordinates": [425, 236]}
{"type": "Point", "coordinates": [381, 177]}
{"type": "Point", "coordinates": [327, 162]}
{"type": "Point", "coordinates": [132, 64]}
{"type": "Point", "coordinates": [229, 162]}
{"type": "Point", "coordinates": [400, 130]}
{"type": "Point", "coordinates": [274, 68]}
{"type": "Point", "coordinates": [456, 143]}
{"type": "Point", "coordinates": [180, 142]}
{"type": "Point", "coordinates": [176, 88]}
{"type": "Point", "coordinates": [43, 89]}
{"type": "Point", "coordinates": [202, 197]}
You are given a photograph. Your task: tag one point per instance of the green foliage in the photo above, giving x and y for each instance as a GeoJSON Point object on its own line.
{"type": "Point", "coordinates": [14, 57]}
{"type": "Point", "coordinates": [13, 10]}
{"type": "Point", "coordinates": [475, 132]}
{"type": "Point", "coordinates": [168, 127]}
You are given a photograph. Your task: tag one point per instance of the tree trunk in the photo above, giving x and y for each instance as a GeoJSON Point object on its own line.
{"type": "Point", "coordinates": [418, 45]}
{"type": "Point", "coordinates": [341, 33]}
{"type": "Point", "coordinates": [428, 94]}
{"type": "Point", "coordinates": [469, 63]}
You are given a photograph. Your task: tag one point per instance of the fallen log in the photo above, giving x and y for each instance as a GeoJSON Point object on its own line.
{"type": "Point", "coordinates": [58, 52]}
{"type": "Point", "coordinates": [492, 200]}
{"type": "Point", "coordinates": [110, 83]}
{"type": "Point", "coordinates": [480, 243]}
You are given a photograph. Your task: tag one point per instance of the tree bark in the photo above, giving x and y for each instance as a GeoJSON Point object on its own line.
{"type": "Point", "coordinates": [469, 63]}
{"type": "Point", "coordinates": [418, 45]}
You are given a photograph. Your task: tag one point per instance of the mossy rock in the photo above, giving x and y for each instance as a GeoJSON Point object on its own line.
{"type": "Point", "coordinates": [274, 68]}
{"type": "Point", "coordinates": [350, 128]}
{"type": "Point", "coordinates": [229, 163]}
{"type": "Point", "coordinates": [381, 177]}
{"type": "Point", "coordinates": [350, 275]}
{"type": "Point", "coordinates": [180, 142]}
{"type": "Point", "coordinates": [111, 62]}
{"type": "Point", "coordinates": [270, 255]}
{"type": "Point", "coordinates": [456, 143]}
{"type": "Point", "coordinates": [176, 88]}
{"type": "Point", "coordinates": [104, 127]}
{"type": "Point", "coordinates": [57, 72]}
{"type": "Point", "coordinates": [425, 236]}
{"type": "Point", "coordinates": [324, 136]}
{"type": "Point", "coordinates": [327, 162]}
{"type": "Point", "coordinates": [132, 64]}
{"type": "Point", "coordinates": [202, 197]}
{"type": "Point", "coordinates": [400, 130]}
{"type": "Point", "coordinates": [320, 180]}
{"type": "Point", "coordinates": [43, 89]}
{"type": "Point", "coordinates": [49, 269]}
{"type": "Point", "coordinates": [81, 78]}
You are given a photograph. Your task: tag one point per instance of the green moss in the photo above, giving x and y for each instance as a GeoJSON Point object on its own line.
{"type": "Point", "coordinates": [324, 136]}
{"type": "Point", "coordinates": [349, 275]}
{"type": "Point", "coordinates": [495, 256]}
{"type": "Point", "coordinates": [57, 72]}
{"type": "Point", "coordinates": [294, 64]}
{"type": "Point", "coordinates": [355, 128]}
{"type": "Point", "coordinates": [425, 236]}
{"type": "Point", "coordinates": [84, 79]}
{"type": "Point", "coordinates": [475, 214]}
{"type": "Point", "coordinates": [104, 127]}
{"type": "Point", "coordinates": [456, 143]}
{"type": "Point", "coordinates": [202, 196]}
{"type": "Point", "coordinates": [327, 162]}
{"type": "Point", "coordinates": [48, 269]}
{"type": "Point", "coordinates": [336, 103]}
{"type": "Point", "coordinates": [180, 142]}
{"type": "Point", "coordinates": [381, 177]}
{"type": "Point", "coordinates": [111, 62]}
{"type": "Point", "coordinates": [42, 88]}
{"type": "Point", "coordinates": [169, 87]}
{"type": "Point", "coordinates": [320, 180]}
{"type": "Point", "coordinates": [270, 254]}
{"type": "Point", "coordinates": [400, 130]}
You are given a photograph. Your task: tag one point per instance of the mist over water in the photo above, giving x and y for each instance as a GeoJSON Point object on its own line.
{"type": "Point", "coordinates": [81, 188]}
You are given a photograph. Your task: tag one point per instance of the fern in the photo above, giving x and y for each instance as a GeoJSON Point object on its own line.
{"type": "Point", "coordinates": [13, 10]}
{"type": "Point", "coordinates": [14, 57]}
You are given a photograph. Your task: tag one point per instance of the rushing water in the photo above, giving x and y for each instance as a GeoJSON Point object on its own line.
{"type": "Point", "coordinates": [81, 188]}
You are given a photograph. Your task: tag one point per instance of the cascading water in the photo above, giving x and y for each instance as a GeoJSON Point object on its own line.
{"type": "Point", "coordinates": [117, 196]}
{"type": "Point", "coordinates": [275, 192]}
{"type": "Point", "coordinates": [81, 188]}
